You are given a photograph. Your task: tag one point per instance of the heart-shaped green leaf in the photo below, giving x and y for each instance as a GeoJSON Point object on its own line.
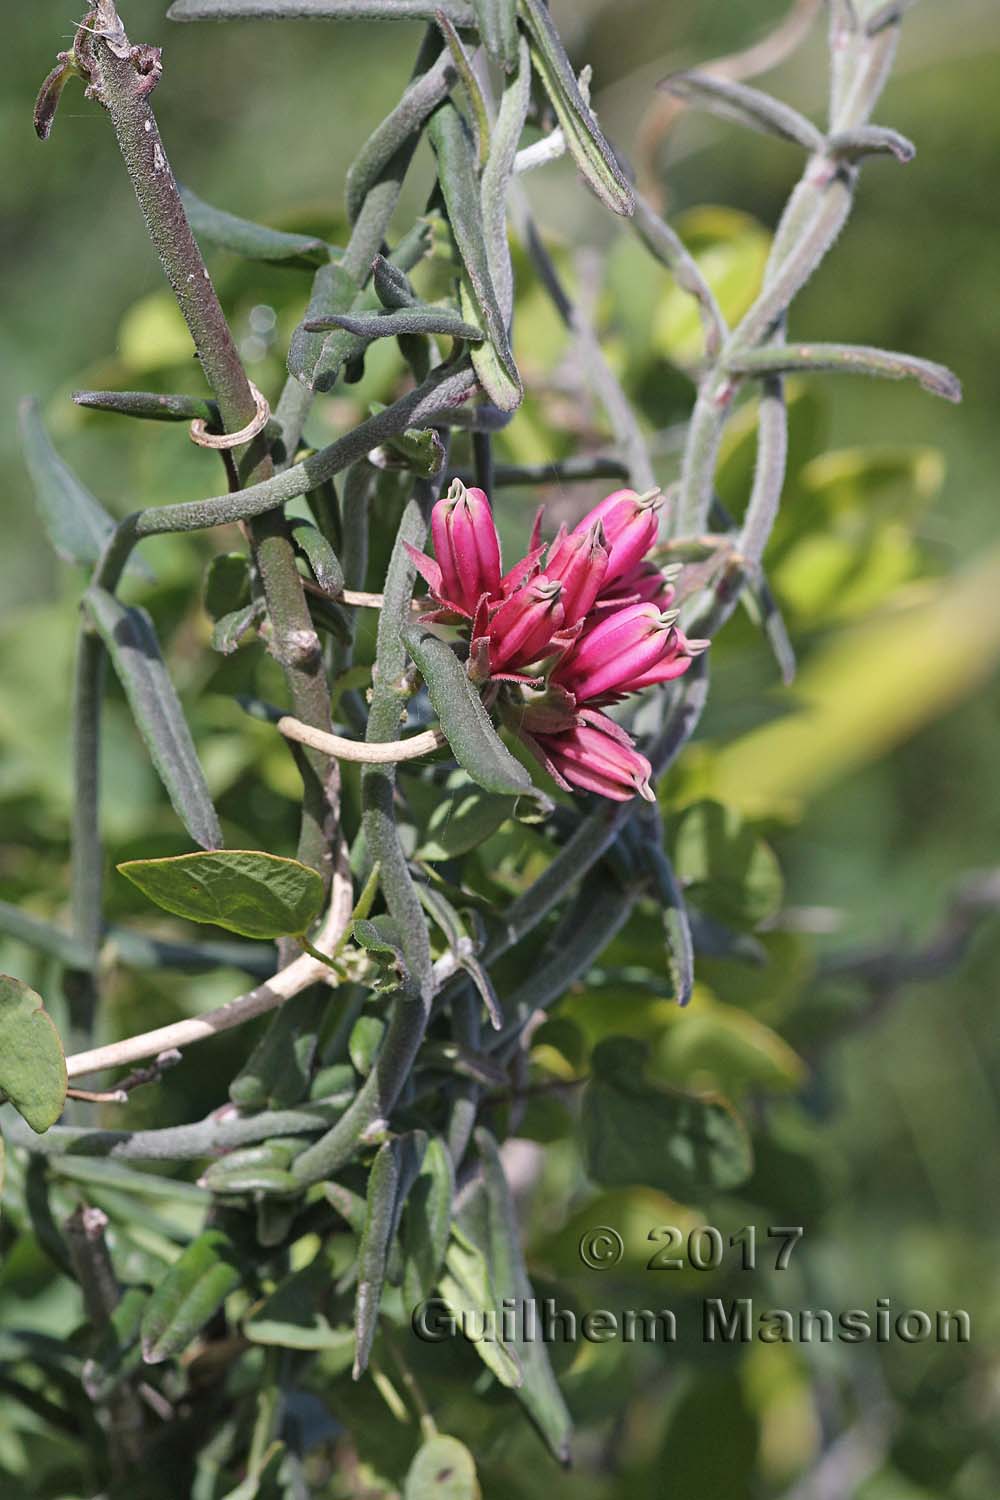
{"type": "Point", "coordinates": [247, 891]}
{"type": "Point", "coordinates": [32, 1064]}
{"type": "Point", "coordinates": [635, 1133]}
{"type": "Point", "coordinates": [724, 867]}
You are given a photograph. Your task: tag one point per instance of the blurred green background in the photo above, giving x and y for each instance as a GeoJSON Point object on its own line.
{"type": "Point", "coordinates": [879, 794]}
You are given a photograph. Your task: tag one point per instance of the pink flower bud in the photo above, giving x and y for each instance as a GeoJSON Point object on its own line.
{"type": "Point", "coordinates": [580, 562]}
{"type": "Point", "coordinates": [466, 547]}
{"type": "Point", "coordinates": [524, 625]}
{"type": "Point", "coordinates": [617, 649]}
{"type": "Point", "coordinates": [595, 755]}
{"type": "Point", "coordinates": [644, 584]}
{"type": "Point", "coordinates": [631, 525]}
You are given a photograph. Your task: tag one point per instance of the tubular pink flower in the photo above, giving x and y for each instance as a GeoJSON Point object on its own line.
{"type": "Point", "coordinates": [580, 562]}
{"type": "Point", "coordinates": [631, 525]}
{"type": "Point", "coordinates": [466, 546]}
{"type": "Point", "coordinates": [524, 625]}
{"type": "Point", "coordinates": [617, 649]}
{"type": "Point", "coordinates": [595, 755]}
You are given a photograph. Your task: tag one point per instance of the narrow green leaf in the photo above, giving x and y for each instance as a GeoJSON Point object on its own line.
{"type": "Point", "coordinates": [50, 93]}
{"type": "Point", "coordinates": [257, 1181]}
{"type": "Point", "coordinates": [131, 642]}
{"type": "Point", "coordinates": [676, 927]}
{"type": "Point", "coordinates": [213, 226]}
{"type": "Point", "coordinates": [468, 1292]}
{"type": "Point", "coordinates": [189, 1295]}
{"type": "Point", "coordinates": [497, 22]}
{"type": "Point", "coordinates": [463, 817]}
{"type": "Point", "coordinates": [151, 406]}
{"type": "Point", "coordinates": [392, 1175]}
{"type": "Point", "coordinates": [227, 584]}
{"type": "Point", "coordinates": [426, 1225]}
{"type": "Point", "coordinates": [324, 564]}
{"type": "Point", "coordinates": [390, 324]}
{"type": "Point", "coordinates": [636, 1133]}
{"type": "Point", "coordinates": [851, 359]}
{"type": "Point", "coordinates": [443, 1469]}
{"type": "Point", "coordinates": [397, 132]}
{"type": "Point", "coordinates": [32, 1064]}
{"type": "Point", "coordinates": [498, 171]}
{"type": "Point", "coordinates": [492, 361]}
{"type": "Point", "coordinates": [76, 524]}
{"type": "Point", "coordinates": [45, 936]}
{"type": "Point", "coordinates": [247, 891]}
{"type": "Point", "coordinates": [871, 140]}
{"type": "Point", "coordinates": [747, 106]}
{"type": "Point", "coordinates": [584, 137]}
{"type": "Point", "coordinates": [464, 721]}
{"type": "Point", "coordinates": [480, 115]}
{"type": "Point", "coordinates": [319, 10]}
{"type": "Point", "coordinates": [364, 1042]}
{"type": "Point", "coordinates": [724, 867]}
{"type": "Point", "coordinates": [540, 1394]}
{"type": "Point", "coordinates": [391, 285]}
{"type": "Point", "coordinates": [276, 1075]}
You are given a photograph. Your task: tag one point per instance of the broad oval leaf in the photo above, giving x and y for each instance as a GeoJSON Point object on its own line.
{"type": "Point", "coordinates": [637, 1134]}
{"type": "Point", "coordinates": [724, 867]}
{"type": "Point", "coordinates": [131, 642]}
{"type": "Point", "coordinates": [32, 1064]}
{"type": "Point", "coordinates": [443, 1469]}
{"type": "Point", "coordinates": [247, 891]}
{"type": "Point", "coordinates": [464, 721]}
{"type": "Point", "coordinates": [189, 1295]}
{"type": "Point", "coordinates": [213, 226]}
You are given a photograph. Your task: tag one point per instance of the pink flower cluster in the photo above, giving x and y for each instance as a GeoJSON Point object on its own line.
{"type": "Point", "coordinates": [574, 626]}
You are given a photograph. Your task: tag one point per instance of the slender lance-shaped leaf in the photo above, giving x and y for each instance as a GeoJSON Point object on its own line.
{"type": "Point", "coordinates": [151, 406]}
{"type": "Point", "coordinates": [851, 359]}
{"type": "Point", "coordinates": [319, 10]}
{"type": "Point", "coordinates": [213, 226]}
{"type": "Point", "coordinates": [32, 1064]}
{"type": "Point", "coordinates": [323, 562]}
{"type": "Point", "coordinates": [465, 722]}
{"type": "Point", "coordinates": [540, 1394]}
{"type": "Point", "coordinates": [676, 927]}
{"type": "Point", "coordinates": [637, 1133]}
{"type": "Point", "coordinates": [423, 95]}
{"type": "Point", "coordinates": [470, 84]}
{"type": "Point", "coordinates": [443, 1469]}
{"type": "Point", "coordinates": [747, 106]}
{"type": "Point", "coordinates": [497, 22]}
{"type": "Point", "coordinates": [131, 642]}
{"type": "Point", "coordinates": [384, 325]}
{"type": "Point", "coordinates": [247, 891]}
{"type": "Point", "coordinates": [493, 362]}
{"type": "Point", "coordinates": [189, 1295]}
{"type": "Point", "coordinates": [426, 1226]}
{"type": "Point", "coordinates": [75, 522]}
{"type": "Point", "coordinates": [497, 173]}
{"type": "Point", "coordinates": [467, 1289]}
{"type": "Point", "coordinates": [871, 140]}
{"type": "Point", "coordinates": [591, 152]}
{"type": "Point", "coordinates": [392, 1175]}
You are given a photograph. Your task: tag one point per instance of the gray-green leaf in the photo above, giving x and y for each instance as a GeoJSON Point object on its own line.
{"type": "Point", "coordinates": [131, 642]}
{"type": "Point", "coordinates": [244, 890]}
{"type": "Point", "coordinates": [464, 720]}
{"type": "Point", "coordinates": [189, 1295]}
{"type": "Point", "coordinates": [32, 1064]}
{"type": "Point", "coordinates": [213, 226]}
{"type": "Point", "coordinates": [747, 106]}
{"type": "Point", "coordinates": [584, 137]}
